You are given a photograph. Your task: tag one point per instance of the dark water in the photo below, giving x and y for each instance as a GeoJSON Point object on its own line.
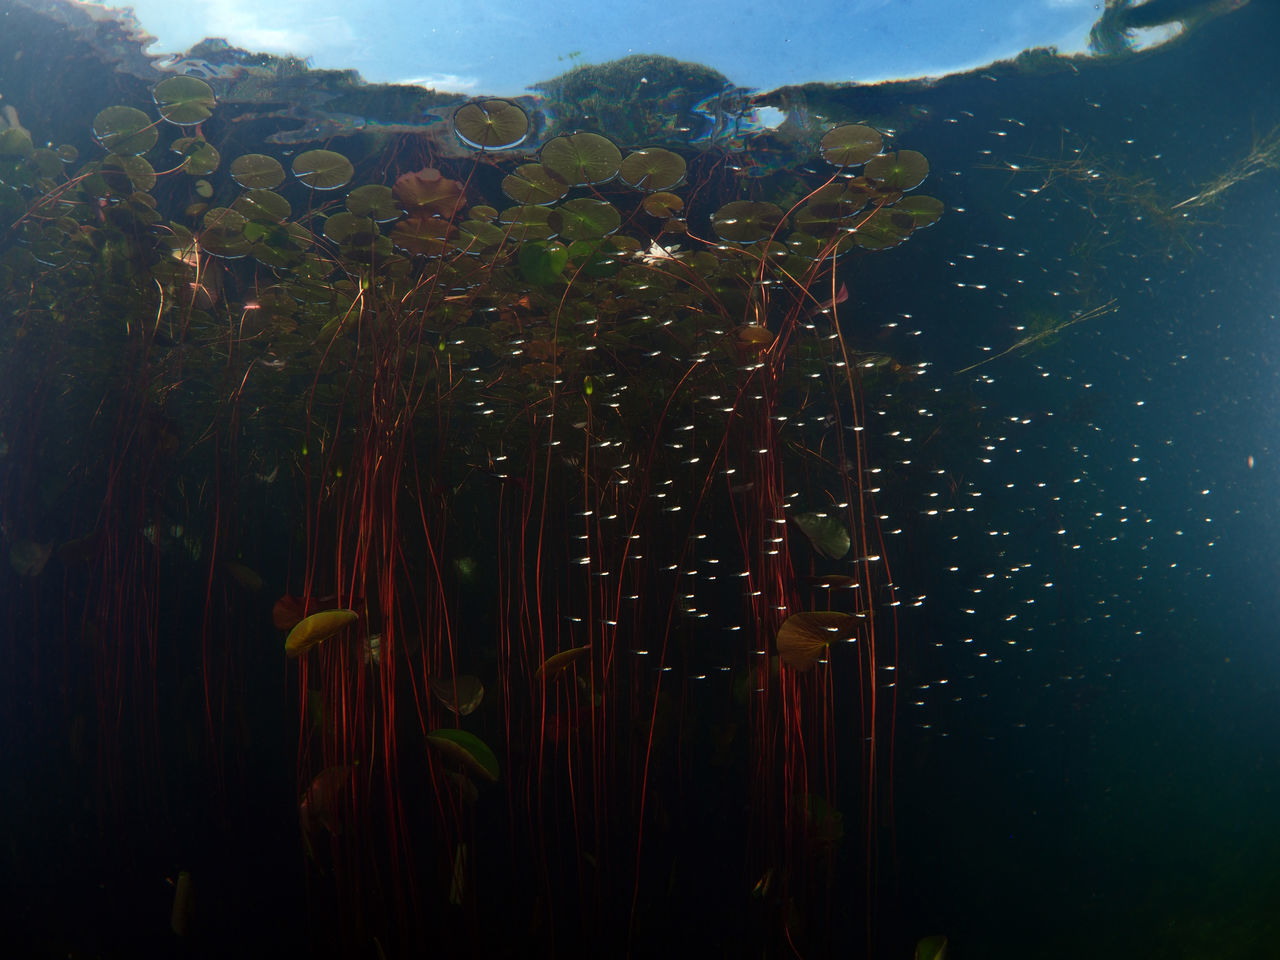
{"type": "Point", "coordinates": [1082, 537]}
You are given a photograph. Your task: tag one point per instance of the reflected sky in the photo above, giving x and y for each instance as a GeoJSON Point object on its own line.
{"type": "Point", "coordinates": [502, 47]}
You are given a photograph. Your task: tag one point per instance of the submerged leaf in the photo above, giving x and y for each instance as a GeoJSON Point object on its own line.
{"type": "Point", "coordinates": [828, 535]}
{"type": "Point", "coordinates": [803, 637]}
{"type": "Point", "coordinates": [468, 749]}
{"type": "Point", "coordinates": [317, 628]}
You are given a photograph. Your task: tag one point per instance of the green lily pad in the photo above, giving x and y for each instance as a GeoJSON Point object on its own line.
{"type": "Point", "coordinates": [419, 234]}
{"type": "Point", "coordinates": [662, 205]}
{"type": "Point", "coordinates": [139, 174]}
{"type": "Point", "coordinates": [747, 221]}
{"type": "Point", "coordinates": [266, 206]}
{"type": "Point", "coordinates": [491, 124]}
{"type": "Point", "coordinates": [468, 749]}
{"type": "Point", "coordinates": [479, 236]}
{"type": "Point", "coordinates": [652, 169]}
{"type": "Point", "coordinates": [885, 228]}
{"type": "Point", "coordinates": [345, 227]}
{"type": "Point", "coordinates": [200, 158]}
{"type": "Point", "coordinates": [581, 159]}
{"type": "Point", "coordinates": [543, 263]}
{"type": "Point", "coordinates": [829, 536]}
{"type": "Point", "coordinates": [323, 169]}
{"type": "Point", "coordinates": [585, 219]}
{"type": "Point", "coordinates": [925, 211]}
{"type": "Point", "coordinates": [528, 222]}
{"type": "Point", "coordinates": [184, 101]}
{"type": "Point", "coordinates": [15, 142]}
{"type": "Point", "coordinates": [125, 130]}
{"type": "Point", "coordinates": [903, 170]}
{"type": "Point", "coordinates": [257, 171]}
{"type": "Point", "coordinates": [374, 200]}
{"type": "Point", "coordinates": [932, 948]}
{"type": "Point", "coordinates": [850, 144]}
{"type": "Point", "coordinates": [534, 183]}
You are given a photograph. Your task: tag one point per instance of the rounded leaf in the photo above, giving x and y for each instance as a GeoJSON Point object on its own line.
{"type": "Point", "coordinates": [184, 101]}
{"type": "Point", "coordinates": [902, 170]}
{"type": "Point", "coordinates": [491, 124]}
{"type": "Point", "coordinates": [651, 169]}
{"type": "Point", "coordinates": [580, 159]}
{"type": "Point", "coordinates": [747, 221]}
{"type": "Point", "coordinates": [257, 171]}
{"type": "Point", "coordinates": [125, 130]}
{"type": "Point", "coordinates": [323, 169]}
{"type": "Point", "coordinates": [850, 144]}
{"type": "Point", "coordinates": [804, 637]}
{"type": "Point", "coordinates": [585, 219]}
{"type": "Point", "coordinates": [534, 183]}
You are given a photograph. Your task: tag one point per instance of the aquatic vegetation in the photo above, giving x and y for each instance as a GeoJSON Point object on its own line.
{"type": "Point", "coordinates": [584, 381]}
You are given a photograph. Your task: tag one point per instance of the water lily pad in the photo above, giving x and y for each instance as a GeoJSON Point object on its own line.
{"type": "Point", "coordinates": [924, 211]}
{"type": "Point", "coordinates": [15, 142]}
{"type": "Point", "coordinates": [527, 222]}
{"type": "Point", "coordinates": [534, 183]}
{"type": "Point", "coordinates": [804, 637]}
{"type": "Point", "coordinates": [125, 130]}
{"type": "Point", "coordinates": [747, 221]}
{"type": "Point", "coordinates": [266, 206]}
{"type": "Point", "coordinates": [428, 191]}
{"type": "Point", "coordinates": [467, 749]}
{"type": "Point", "coordinates": [491, 124]}
{"type": "Point", "coordinates": [903, 170]}
{"type": "Point", "coordinates": [543, 263]}
{"type": "Point", "coordinates": [585, 219]}
{"type": "Point", "coordinates": [662, 205]}
{"type": "Point", "coordinates": [323, 169]}
{"type": "Point", "coordinates": [200, 157]}
{"type": "Point", "coordinates": [885, 228]}
{"type": "Point", "coordinates": [652, 169]}
{"type": "Point", "coordinates": [581, 159]}
{"type": "Point", "coordinates": [184, 101]}
{"type": "Point", "coordinates": [478, 236]}
{"type": "Point", "coordinates": [257, 171]}
{"type": "Point", "coordinates": [374, 200]}
{"type": "Point", "coordinates": [829, 536]}
{"type": "Point", "coordinates": [316, 629]}
{"type": "Point", "coordinates": [424, 235]}
{"type": "Point", "coordinates": [850, 144]}
{"type": "Point", "coordinates": [138, 174]}
{"type": "Point", "coordinates": [345, 227]}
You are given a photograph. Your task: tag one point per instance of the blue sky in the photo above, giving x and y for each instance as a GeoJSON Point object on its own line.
{"type": "Point", "coordinates": [503, 46]}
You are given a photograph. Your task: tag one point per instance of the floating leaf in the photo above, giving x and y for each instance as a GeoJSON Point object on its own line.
{"type": "Point", "coordinates": [746, 221]}
{"type": "Point", "coordinates": [425, 235]}
{"type": "Point", "coordinates": [581, 159]}
{"type": "Point", "coordinates": [265, 206]}
{"type": "Point", "coordinates": [200, 157]}
{"type": "Point", "coordinates": [140, 175]}
{"type": "Point", "coordinates": [468, 749]}
{"type": "Point", "coordinates": [322, 169]}
{"type": "Point", "coordinates": [903, 170]}
{"type": "Point", "coordinates": [558, 663]}
{"type": "Point", "coordinates": [830, 208]}
{"type": "Point", "coordinates": [374, 200]}
{"type": "Point", "coordinates": [651, 169]}
{"type": "Point", "coordinates": [804, 637]}
{"type": "Point", "coordinates": [850, 144]}
{"type": "Point", "coordinates": [346, 227]}
{"type": "Point", "coordinates": [428, 191]}
{"type": "Point", "coordinates": [461, 694]}
{"type": "Point", "coordinates": [534, 183]}
{"type": "Point", "coordinates": [662, 204]}
{"type": "Point", "coordinates": [885, 228]}
{"type": "Point", "coordinates": [257, 171]}
{"type": "Point", "coordinates": [925, 211]}
{"type": "Point", "coordinates": [527, 222]}
{"type": "Point", "coordinates": [476, 236]}
{"type": "Point", "coordinates": [125, 130]}
{"type": "Point", "coordinates": [828, 535]}
{"type": "Point", "coordinates": [585, 218]}
{"type": "Point", "coordinates": [317, 628]}
{"type": "Point", "coordinates": [542, 263]}
{"type": "Point", "coordinates": [184, 101]}
{"type": "Point", "coordinates": [15, 142]}
{"type": "Point", "coordinates": [491, 124]}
